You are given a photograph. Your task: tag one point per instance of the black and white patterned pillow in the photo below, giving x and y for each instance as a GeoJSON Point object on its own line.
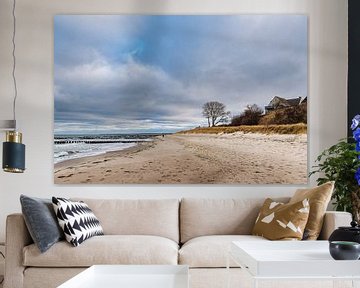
{"type": "Point", "coordinates": [77, 220]}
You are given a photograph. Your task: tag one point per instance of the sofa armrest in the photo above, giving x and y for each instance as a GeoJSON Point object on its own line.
{"type": "Point", "coordinates": [17, 237]}
{"type": "Point", "coordinates": [333, 220]}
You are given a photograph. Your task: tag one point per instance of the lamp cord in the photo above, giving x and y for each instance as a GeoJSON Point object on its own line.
{"type": "Point", "coordinates": [14, 60]}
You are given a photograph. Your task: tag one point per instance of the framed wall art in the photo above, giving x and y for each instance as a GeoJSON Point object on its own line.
{"type": "Point", "coordinates": [180, 99]}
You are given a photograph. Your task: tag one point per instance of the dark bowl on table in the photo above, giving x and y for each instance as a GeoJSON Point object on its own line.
{"type": "Point", "coordinates": [344, 250]}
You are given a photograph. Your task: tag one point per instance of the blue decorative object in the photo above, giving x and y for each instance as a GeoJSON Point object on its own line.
{"type": "Point", "coordinates": [357, 147]}
{"type": "Point", "coordinates": [356, 133]}
{"type": "Point", "coordinates": [355, 122]}
{"type": "Point", "coordinates": [357, 175]}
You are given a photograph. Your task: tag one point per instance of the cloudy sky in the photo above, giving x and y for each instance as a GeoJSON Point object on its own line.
{"type": "Point", "coordinates": [136, 74]}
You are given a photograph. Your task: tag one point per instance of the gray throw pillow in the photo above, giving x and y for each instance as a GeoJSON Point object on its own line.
{"type": "Point", "coordinates": [41, 221]}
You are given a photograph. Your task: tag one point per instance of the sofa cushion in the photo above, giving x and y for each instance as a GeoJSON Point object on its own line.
{"type": "Point", "coordinates": [211, 251]}
{"type": "Point", "coordinates": [201, 217]}
{"type": "Point", "coordinates": [158, 217]}
{"type": "Point", "coordinates": [319, 198]}
{"type": "Point", "coordinates": [76, 220]}
{"type": "Point", "coordinates": [41, 221]}
{"type": "Point", "coordinates": [279, 221]}
{"type": "Point", "coordinates": [107, 249]}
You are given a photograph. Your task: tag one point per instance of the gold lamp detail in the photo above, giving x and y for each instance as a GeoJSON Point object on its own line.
{"type": "Point", "coordinates": [13, 149]}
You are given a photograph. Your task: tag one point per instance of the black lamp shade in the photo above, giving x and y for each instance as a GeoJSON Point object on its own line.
{"type": "Point", "coordinates": [13, 157]}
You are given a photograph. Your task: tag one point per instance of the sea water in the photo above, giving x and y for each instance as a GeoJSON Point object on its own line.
{"type": "Point", "coordinates": [77, 146]}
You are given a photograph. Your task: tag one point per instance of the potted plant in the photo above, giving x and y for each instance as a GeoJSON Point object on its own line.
{"type": "Point", "coordinates": [341, 163]}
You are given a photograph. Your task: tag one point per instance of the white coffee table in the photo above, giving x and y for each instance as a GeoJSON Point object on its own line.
{"type": "Point", "coordinates": [131, 276]}
{"type": "Point", "coordinates": [292, 260]}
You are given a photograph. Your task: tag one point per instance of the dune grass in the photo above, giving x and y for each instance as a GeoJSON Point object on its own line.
{"type": "Point", "coordinates": [299, 128]}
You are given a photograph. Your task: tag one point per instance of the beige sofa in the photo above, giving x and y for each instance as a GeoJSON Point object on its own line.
{"type": "Point", "coordinates": [194, 232]}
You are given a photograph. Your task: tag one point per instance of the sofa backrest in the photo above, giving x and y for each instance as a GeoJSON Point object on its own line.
{"type": "Point", "coordinates": [159, 217]}
{"type": "Point", "coordinates": [200, 217]}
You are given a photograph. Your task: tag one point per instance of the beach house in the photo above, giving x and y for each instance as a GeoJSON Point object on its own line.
{"type": "Point", "coordinates": [278, 103]}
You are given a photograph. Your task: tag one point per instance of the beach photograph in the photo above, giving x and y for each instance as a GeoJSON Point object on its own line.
{"type": "Point", "coordinates": [180, 99]}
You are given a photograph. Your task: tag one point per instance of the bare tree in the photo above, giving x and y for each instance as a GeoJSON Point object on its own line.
{"type": "Point", "coordinates": [215, 113]}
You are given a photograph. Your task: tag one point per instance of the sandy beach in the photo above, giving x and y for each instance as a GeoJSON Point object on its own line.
{"type": "Point", "coordinates": [236, 158]}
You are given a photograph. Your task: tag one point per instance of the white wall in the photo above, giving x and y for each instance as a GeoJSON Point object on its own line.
{"type": "Point", "coordinates": [327, 89]}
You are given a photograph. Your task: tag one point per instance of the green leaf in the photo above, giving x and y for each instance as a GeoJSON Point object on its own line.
{"type": "Point", "coordinates": [338, 163]}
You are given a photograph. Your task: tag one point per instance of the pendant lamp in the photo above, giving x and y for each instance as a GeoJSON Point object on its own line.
{"type": "Point", "coordinates": [13, 159]}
